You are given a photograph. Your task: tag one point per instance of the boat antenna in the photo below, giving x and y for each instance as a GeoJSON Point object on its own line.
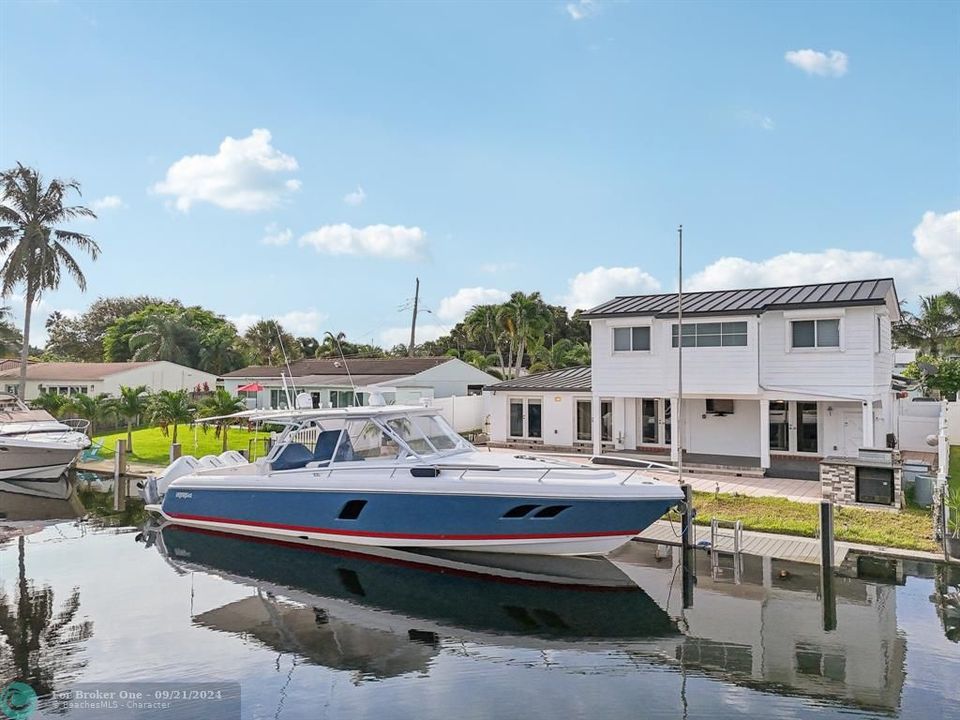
{"type": "Point", "coordinates": [286, 362]}
{"type": "Point", "coordinates": [679, 409]}
{"type": "Point", "coordinates": [346, 366]}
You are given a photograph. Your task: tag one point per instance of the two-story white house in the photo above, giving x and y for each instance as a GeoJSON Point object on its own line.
{"type": "Point", "coordinates": [773, 379]}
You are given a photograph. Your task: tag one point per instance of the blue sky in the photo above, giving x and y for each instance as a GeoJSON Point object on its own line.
{"type": "Point", "coordinates": [487, 147]}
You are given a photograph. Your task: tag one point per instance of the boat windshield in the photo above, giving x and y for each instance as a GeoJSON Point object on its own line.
{"type": "Point", "coordinates": [427, 434]}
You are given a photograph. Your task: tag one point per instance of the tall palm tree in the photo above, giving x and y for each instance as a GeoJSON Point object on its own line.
{"type": "Point", "coordinates": [264, 340]}
{"type": "Point", "coordinates": [97, 409]}
{"type": "Point", "coordinates": [217, 405]}
{"type": "Point", "coordinates": [171, 407]}
{"type": "Point", "coordinates": [219, 352]}
{"type": "Point", "coordinates": [42, 642]}
{"type": "Point", "coordinates": [163, 337]}
{"type": "Point", "coordinates": [484, 328]}
{"type": "Point", "coordinates": [131, 405]}
{"type": "Point", "coordinates": [525, 318]}
{"type": "Point", "coordinates": [11, 339]}
{"type": "Point", "coordinates": [935, 328]}
{"type": "Point", "coordinates": [36, 250]}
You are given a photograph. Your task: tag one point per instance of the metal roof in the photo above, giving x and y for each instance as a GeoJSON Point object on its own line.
{"type": "Point", "coordinates": [570, 379]}
{"type": "Point", "coordinates": [751, 301]}
{"type": "Point", "coordinates": [74, 371]}
{"type": "Point", "coordinates": [399, 366]}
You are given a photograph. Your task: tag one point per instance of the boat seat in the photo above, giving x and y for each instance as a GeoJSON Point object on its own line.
{"type": "Point", "coordinates": [292, 457]}
{"type": "Point", "coordinates": [326, 444]}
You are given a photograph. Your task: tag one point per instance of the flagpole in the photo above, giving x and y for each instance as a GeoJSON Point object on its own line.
{"type": "Point", "coordinates": [679, 409]}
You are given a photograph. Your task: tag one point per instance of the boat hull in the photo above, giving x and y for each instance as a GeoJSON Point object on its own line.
{"type": "Point", "coordinates": [28, 460]}
{"type": "Point", "coordinates": [550, 526]}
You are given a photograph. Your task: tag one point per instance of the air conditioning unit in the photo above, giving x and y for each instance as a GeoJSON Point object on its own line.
{"type": "Point", "coordinates": [719, 407]}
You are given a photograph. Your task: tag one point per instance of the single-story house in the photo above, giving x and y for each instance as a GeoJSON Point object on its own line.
{"type": "Point", "coordinates": [93, 378]}
{"type": "Point", "coordinates": [332, 382]}
{"type": "Point", "coordinates": [774, 379]}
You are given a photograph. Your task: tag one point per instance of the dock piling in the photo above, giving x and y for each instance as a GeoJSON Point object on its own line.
{"type": "Point", "coordinates": [119, 476]}
{"type": "Point", "coordinates": [687, 558]}
{"type": "Point", "coordinates": [827, 597]}
{"type": "Point", "coordinates": [175, 451]}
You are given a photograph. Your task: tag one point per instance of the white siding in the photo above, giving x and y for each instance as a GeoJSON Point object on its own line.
{"type": "Point", "coordinates": [721, 371]}
{"type": "Point", "coordinates": [735, 434]}
{"type": "Point", "coordinates": [854, 369]}
{"type": "Point", "coordinates": [450, 378]}
{"type": "Point", "coordinates": [161, 375]}
{"type": "Point", "coordinates": [559, 415]}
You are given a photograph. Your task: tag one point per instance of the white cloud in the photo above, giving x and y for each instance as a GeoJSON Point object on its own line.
{"type": "Point", "coordinates": [302, 322]}
{"type": "Point", "coordinates": [248, 174]}
{"type": "Point", "coordinates": [754, 119]}
{"type": "Point", "coordinates": [299, 322]}
{"type": "Point", "coordinates": [107, 202]}
{"type": "Point", "coordinates": [814, 62]}
{"type": "Point", "coordinates": [934, 267]}
{"type": "Point", "coordinates": [497, 267]}
{"type": "Point", "coordinates": [401, 335]}
{"type": "Point", "coordinates": [356, 197]}
{"type": "Point", "coordinates": [589, 289]}
{"type": "Point", "coordinates": [453, 308]}
{"type": "Point", "coordinates": [385, 241]}
{"type": "Point", "coordinates": [582, 9]}
{"type": "Point", "coordinates": [274, 235]}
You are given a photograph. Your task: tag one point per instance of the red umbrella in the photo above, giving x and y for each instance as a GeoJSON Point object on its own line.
{"type": "Point", "coordinates": [252, 387]}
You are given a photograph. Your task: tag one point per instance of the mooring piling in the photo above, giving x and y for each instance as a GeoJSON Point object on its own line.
{"type": "Point", "coordinates": [120, 476]}
{"type": "Point", "coordinates": [827, 597]}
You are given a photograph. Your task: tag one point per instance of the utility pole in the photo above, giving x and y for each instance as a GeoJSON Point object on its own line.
{"type": "Point", "coordinates": [413, 322]}
{"type": "Point", "coordinates": [679, 409]}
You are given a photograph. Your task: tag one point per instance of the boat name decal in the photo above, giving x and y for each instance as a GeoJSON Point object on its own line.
{"type": "Point", "coordinates": [184, 495]}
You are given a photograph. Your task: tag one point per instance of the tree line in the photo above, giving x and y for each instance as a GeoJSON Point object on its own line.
{"type": "Point", "coordinates": [934, 330]}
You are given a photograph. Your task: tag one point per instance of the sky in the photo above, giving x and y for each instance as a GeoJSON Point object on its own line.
{"type": "Point", "coordinates": [307, 161]}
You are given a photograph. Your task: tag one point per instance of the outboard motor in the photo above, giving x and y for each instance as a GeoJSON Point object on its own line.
{"type": "Point", "coordinates": [148, 490]}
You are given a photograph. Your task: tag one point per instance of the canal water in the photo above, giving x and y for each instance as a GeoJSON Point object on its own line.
{"type": "Point", "coordinates": [323, 631]}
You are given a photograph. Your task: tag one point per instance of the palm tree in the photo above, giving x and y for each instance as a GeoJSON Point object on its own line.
{"type": "Point", "coordinates": [525, 318]}
{"type": "Point", "coordinates": [219, 352]}
{"type": "Point", "coordinates": [42, 642]}
{"type": "Point", "coordinates": [264, 340]}
{"type": "Point", "coordinates": [97, 410]}
{"type": "Point", "coordinates": [217, 405]}
{"type": "Point", "coordinates": [170, 407]}
{"type": "Point", "coordinates": [163, 337]}
{"type": "Point", "coordinates": [131, 405]}
{"type": "Point", "coordinates": [52, 402]}
{"type": "Point", "coordinates": [563, 354]}
{"type": "Point", "coordinates": [36, 251]}
{"type": "Point", "coordinates": [935, 329]}
{"type": "Point", "coordinates": [11, 339]}
{"type": "Point", "coordinates": [483, 327]}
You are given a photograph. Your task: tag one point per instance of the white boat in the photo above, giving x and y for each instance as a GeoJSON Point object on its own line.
{"type": "Point", "coordinates": [34, 445]}
{"type": "Point", "coordinates": [399, 476]}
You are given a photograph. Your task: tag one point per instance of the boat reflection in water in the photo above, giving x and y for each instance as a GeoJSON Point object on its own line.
{"type": "Point", "coordinates": [384, 611]}
{"type": "Point", "coordinates": [38, 501]}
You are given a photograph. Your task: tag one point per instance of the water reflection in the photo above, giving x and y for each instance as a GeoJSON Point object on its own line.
{"type": "Point", "coordinates": [382, 611]}
{"type": "Point", "coordinates": [27, 500]}
{"type": "Point", "coordinates": [946, 598]}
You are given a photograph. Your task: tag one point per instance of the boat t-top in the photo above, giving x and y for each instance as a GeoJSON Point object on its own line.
{"type": "Point", "coordinates": [399, 476]}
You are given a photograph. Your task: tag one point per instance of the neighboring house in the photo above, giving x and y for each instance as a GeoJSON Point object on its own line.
{"type": "Point", "coordinates": [332, 382]}
{"type": "Point", "coordinates": [73, 378]}
{"type": "Point", "coordinates": [773, 379]}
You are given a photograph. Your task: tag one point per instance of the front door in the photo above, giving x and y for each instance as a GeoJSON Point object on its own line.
{"type": "Point", "coordinates": [851, 424]}
{"type": "Point", "coordinates": [654, 422]}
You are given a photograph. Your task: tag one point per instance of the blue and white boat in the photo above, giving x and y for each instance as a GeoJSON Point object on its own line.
{"type": "Point", "coordinates": [399, 476]}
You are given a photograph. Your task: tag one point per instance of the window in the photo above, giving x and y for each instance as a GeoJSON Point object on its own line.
{"type": "Point", "coordinates": [278, 399]}
{"type": "Point", "coordinates": [526, 418]}
{"type": "Point", "coordinates": [631, 339]}
{"type": "Point", "coordinates": [648, 421]}
{"type": "Point", "coordinates": [425, 434]}
{"type": "Point", "coordinates": [879, 334]}
{"type": "Point", "coordinates": [816, 333]}
{"type": "Point", "coordinates": [606, 421]}
{"type": "Point", "coordinates": [713, 334]}
{"type": "Point", "coordinates": [344, 398]}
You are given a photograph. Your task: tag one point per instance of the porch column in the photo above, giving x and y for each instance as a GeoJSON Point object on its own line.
{"type": "Point", "coordinates": [619, 422]}
{"type": "Point", "coordinates": [868, 424]}
{"type": "Point", "coordinates": [764, 434]}
{"type": "Point", "coordinates": [595, 424]}
{"type": "Point", "coordinates": [674, 430]}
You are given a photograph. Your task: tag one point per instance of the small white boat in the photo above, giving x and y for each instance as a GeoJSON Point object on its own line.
{"type": "Point", "coordinates": [34, 445]}
{"type": "Point", "coordinates": [396, 476]}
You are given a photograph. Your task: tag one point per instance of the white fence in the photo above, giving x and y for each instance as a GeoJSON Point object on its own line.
{"type": "Point", "coordinates": [916, 421]}
{"type": "Point", "coordinates": [463, 412]}
{"type": "Point", "coordinates": [952, 416]}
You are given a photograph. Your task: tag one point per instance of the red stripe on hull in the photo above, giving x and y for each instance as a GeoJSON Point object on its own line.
{"type": "Point", "coordinates": [392, 535]}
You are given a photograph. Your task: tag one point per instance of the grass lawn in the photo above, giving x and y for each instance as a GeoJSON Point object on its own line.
{"type": "Point", "coordinates": [911, 528]}
{"type": "Point", "coordinates": [152, 446]}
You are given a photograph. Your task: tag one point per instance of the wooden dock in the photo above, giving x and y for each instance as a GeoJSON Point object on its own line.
{"type": "Point", "coordinates": [781, 547]}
